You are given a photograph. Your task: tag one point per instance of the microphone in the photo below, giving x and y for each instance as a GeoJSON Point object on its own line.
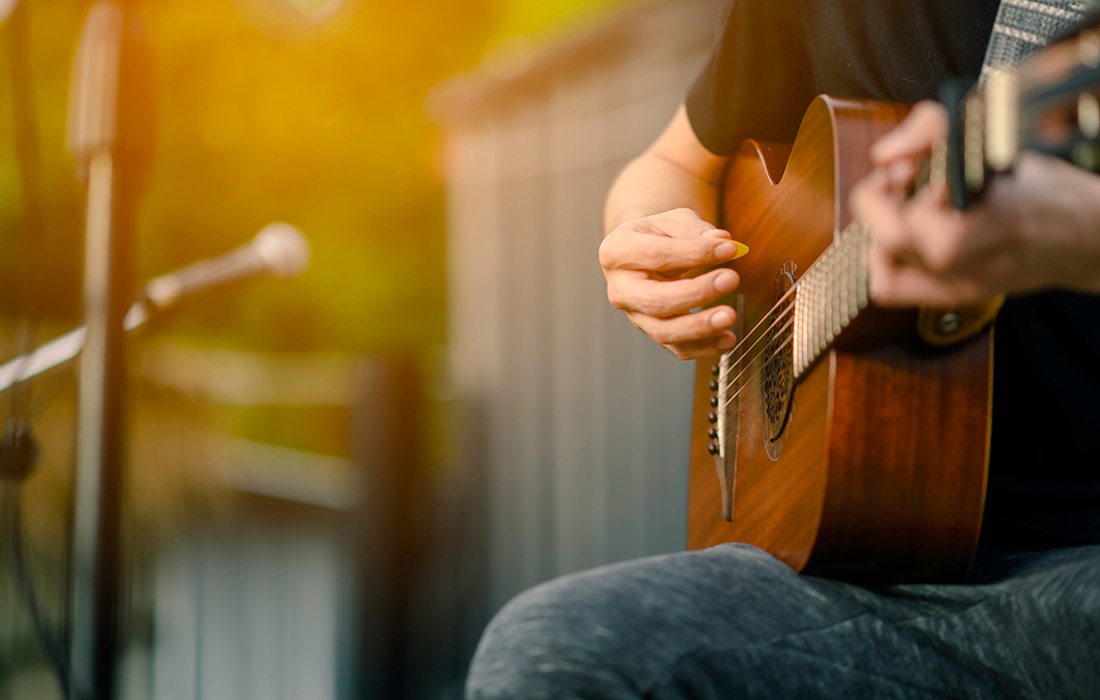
{"type": "Point", "coordinates": [6, 7]}
{"type": "Point", "coordinates": [279, 250]}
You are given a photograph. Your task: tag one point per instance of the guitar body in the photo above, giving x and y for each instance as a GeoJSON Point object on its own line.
{"type": "Point", "coordinates": [879, 469]}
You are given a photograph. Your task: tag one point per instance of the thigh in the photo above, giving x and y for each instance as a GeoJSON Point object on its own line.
{"type": "Point", "coordinates": [734, 622]}
{"type": "Point", "coordinates": [691, 624]}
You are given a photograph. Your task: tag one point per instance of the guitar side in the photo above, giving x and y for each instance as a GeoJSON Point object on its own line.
{"type": "Point", "coordinates": [879, 470]}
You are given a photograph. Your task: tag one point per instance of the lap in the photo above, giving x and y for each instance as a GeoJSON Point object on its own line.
{"type": "Point", "coordinates": [733, 621]}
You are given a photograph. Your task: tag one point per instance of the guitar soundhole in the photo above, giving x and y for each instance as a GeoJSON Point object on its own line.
{"type": "Point", "coordinates": [777, 375]}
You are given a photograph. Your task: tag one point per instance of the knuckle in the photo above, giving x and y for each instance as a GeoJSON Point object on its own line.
{"type": "Point", "coordinates": [636, 320]}
{"type": "Point", "coordinates": [942, 255]}
{"type": "Point", "coordinates": [678, 352]}
{"type": "Point", "coordinates": [616, 248]}
{"type": "Point", "coordinates": [704, 289]}
{"type": "Point", "coordinates": [660, 335]}
{"type": "Point", "coordinates": [650, 307]}
{"type": "Point", "coordinates": [606, 253]}
{"type": "Point", "coordinates": [615, 296]}
{"type": "Point", "coordinates": [650, 259]}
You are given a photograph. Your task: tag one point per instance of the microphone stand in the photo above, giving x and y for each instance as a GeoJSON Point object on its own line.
{"type": "Point", "coordinates": [103, 138]}
{"type": "Point", "coordinates": [279, 250]}
{"type": "Point", "coordinates": [62, 350]}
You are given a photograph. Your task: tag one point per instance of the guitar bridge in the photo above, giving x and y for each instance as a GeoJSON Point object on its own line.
{"type": "Point", "coordinates": [726, 402]}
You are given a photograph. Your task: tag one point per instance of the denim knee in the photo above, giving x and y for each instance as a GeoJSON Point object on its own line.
{"type": "Point", "coordinates": [549, 643]}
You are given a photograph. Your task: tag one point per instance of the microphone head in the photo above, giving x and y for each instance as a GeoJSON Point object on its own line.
{"type": "Point", "coordinates": [6, 6]}
{"type": "Point", "coordinates": [282, 248]}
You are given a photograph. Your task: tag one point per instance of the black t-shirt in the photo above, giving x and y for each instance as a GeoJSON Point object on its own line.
{"type": "Point", "coordinates": [771, 59]}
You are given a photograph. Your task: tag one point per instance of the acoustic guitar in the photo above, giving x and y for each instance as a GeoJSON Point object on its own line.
{"type": "Point", "coordinates": [844, 439]}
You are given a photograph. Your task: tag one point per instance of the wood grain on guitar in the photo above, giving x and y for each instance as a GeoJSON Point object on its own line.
{"type": "Point", "coordinates": [844, 439]}
{"type": "Point", "coordinates": [872, 463]}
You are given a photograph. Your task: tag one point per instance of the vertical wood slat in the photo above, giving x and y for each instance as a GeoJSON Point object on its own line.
{"type": "Point", "coordinates": [587, 423]}
{"type": "Point", "coordinates": [253, 613]}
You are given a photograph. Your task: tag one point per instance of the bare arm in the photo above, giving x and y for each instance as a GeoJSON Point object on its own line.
{"type": "Point", "coordinates": [661, 251]}
{"type": "Point", "coordinates": [675, 172]}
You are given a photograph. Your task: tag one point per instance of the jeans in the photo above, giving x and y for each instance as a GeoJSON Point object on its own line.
{"type": "Point", "coordinates": [733, 622]}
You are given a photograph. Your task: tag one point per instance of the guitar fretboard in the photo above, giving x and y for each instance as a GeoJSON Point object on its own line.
{"type": "Point", "coordinates": [829, 296]}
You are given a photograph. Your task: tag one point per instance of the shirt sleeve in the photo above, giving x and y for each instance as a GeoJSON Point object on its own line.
{"type": "Point", "coordinates": [757, 81]}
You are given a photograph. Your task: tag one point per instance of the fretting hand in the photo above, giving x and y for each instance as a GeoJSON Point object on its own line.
{"type": "Point", "coordinates": [1036, 228]}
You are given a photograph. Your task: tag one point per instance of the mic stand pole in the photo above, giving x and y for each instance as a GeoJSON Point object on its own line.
{"type": "Point", "coordinates": [100, 453]}
{"type": "Point", "coordinates": [96, 521]}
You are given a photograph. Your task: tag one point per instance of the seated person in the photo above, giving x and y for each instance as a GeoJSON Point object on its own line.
{"type": "Point", "coordinates": [732, 621]}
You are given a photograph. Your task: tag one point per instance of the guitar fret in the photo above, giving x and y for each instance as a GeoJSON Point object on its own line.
{"type": "Point", "coordinates": [861, 269]}
{"type": "Point", "coordinates": [845, 274]}
{"type": "Point", "coordinates": [829, 296]}
{"type": "Point", "coordinates": [827, 320]}
{"type": "Point", "coordinates": [822, 300]}
{"type": "Point", "coordinates": [853, 279]}
{"type": "Point", "coordinates": [834, 294]}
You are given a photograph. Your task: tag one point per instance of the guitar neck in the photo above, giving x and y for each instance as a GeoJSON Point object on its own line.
{"type": "Point", "coordinates": [1049, 104]}
{"type": "Point", "coordinates": [828, 296]}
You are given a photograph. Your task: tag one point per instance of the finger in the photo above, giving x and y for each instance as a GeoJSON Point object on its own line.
{"type": "Point", "coordinates": [879, 208]}
{"type": "Point", "coordinates": [741, 250]}
{"type": "Point", "coordinates": [924, 127]}
{"type": "Point", "coordinates": [664, 298]}
{"type": "Point", "coordinates": [944, 241]}
{"type": "Point", "coordinates": [631, 250]}
{"type": "Point", "coordinates": [700, 349]}
{"type": "Point", "coordinates": [894, 285]}
{"type": "Point", "coordinates": [689, 327]}
{"type": "Point", "coordinates": [680, 223]}
{"type": "Point", "coordinates": [900, 174]}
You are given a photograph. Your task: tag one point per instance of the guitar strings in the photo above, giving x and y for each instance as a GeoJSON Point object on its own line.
{"type": "Point", "coordinates": [733, 364]}
{"type": "Point", "coordinates": [783, 308]}
{"type": "Point", "coordinates": [778, 304]}
{"type": "Point", "coordinates": [782, 342]}
{"type": "Point", "coordinates": [757, 399]}
{"type": "Point", "coordinates": [779, 348]}
{"type": "Point", "coordinates": [1024, 85]}
{"type": "Point", "coordinates": [780, 310]}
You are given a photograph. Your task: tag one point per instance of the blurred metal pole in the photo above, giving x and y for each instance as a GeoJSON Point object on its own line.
{"type": "Point", "coordinates": [97, 102]}
{"type": "Point", "coordinates": [398, 508]}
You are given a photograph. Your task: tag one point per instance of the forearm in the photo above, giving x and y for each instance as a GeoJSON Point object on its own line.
{"type": "Point", "coordinates": [651, 184]}
{"type": "Point", "coordinates": [675, 172]}
{"type": "Point", "coordinates": [661, 254]}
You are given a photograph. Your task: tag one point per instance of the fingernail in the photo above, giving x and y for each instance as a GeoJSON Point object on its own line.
{"type": "Point", "coordinates": [725, 281]}
{"type": "Point", "coordinates": [724, 250]}
{"type": "Point", "coordinates": [726, 342]}
{"type": "Point", "coordinates": [721, 319]}
{"type": "Point", "coordinates": [730, 250]}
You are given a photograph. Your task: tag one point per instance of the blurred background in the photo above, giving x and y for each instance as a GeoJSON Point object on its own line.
{"type": "Point", "coordinates": [335, 480]}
